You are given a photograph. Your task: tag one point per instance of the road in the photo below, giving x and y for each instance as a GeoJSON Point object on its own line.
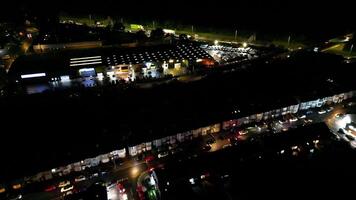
{"type": "Point", "coordinates": [131, 169]}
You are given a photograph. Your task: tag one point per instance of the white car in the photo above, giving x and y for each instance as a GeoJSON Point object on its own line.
{"type": "Point", "coordinates": [243, 132]}
{"type": "Point", "coordinates": [302, 117]}
{"type": "Point", "coordinates": [67, 188]}
{"type": "Point", "coordinates": [80, 178]}
{"type": "Point", "coordinates": [226, 145]}
{"type": "Point", "coordinates": [283, 121]}
{"type": "Point", "coordinates": [63, 184]}
{"type": "Point", "coordinates": [322, 112]}
{"type": "Point", "coordinates": [162, 154]}
{"type": "Point", "coordinates": [294, 119]}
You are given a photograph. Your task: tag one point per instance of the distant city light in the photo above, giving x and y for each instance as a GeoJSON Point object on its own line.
{"type": "Point", "coordinates": [33, 75]}
{"type": "Point", "coordinates": [86, 70]}
{"type": "Point", "coordinates": [65, 78]}
{"type": "Point", "coordinates": [85, 58]}
{"type": "Point", "coordinates": [87, 63]}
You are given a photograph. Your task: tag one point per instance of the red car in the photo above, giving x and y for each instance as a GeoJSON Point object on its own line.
{"type": "Point", "coordinates": [50, 188]}
{"type": "Point", "coordinates": [149, 158]}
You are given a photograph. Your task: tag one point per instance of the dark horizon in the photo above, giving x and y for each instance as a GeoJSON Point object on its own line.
{"type": "Point", "coordinates": [300, 17]}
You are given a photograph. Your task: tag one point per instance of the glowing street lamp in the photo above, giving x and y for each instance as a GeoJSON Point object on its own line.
{"type": "Point", "coordinates": [244, 44]}
{"type": "Point", "coordinates": [216, 42]}
{"type": "Point", "coordinates": [134, 171]}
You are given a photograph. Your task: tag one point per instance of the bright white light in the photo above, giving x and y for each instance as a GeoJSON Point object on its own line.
{"type": "Point", "coordinates": [33, 75]}
{"type": "Point", "coordinates": [82, 61]}
{"type": "Point", "coordinates": [88, 63]}
{"type": "Point", "coordinates": [100, 76]}
{"type": "Point", "coordinates": [342, 122]}
{"type": "Point", "coordinates": [86, 70]}
{"type": "Point", "coordinates": [112, 194]}
{"type": "Point", "coordinates": [84, 58]}
{"type": "Point", "coordinates": [65, 78]}
{"type": "Point", "coordinates": [199, 60]}
{"type": "Point", "coordinates": [148, 64]}
{"type": "Point", "coordinates": [216, 42]}
{"type": "Point", "coordinates": [169, 31]}
{"type": "Point", "coordinates": [293, 119]}
{"type": "Point", "coordinates": [244, 44]}
{"type": "Point", "coordinates": [53, 170]}
{"type": "Point", "coordinates": [152, 181]}
{"type": "Point", "coordinates": [124, 197]}
{"type": "Point", "coordinates": [192, 181]}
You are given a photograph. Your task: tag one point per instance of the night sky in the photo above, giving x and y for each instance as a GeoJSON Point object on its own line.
{"type": "Point", "coordinates": [297, 16]}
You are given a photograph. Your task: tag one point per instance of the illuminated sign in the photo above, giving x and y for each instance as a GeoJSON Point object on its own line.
{"type": "Point", "coordinates": [33, 75]}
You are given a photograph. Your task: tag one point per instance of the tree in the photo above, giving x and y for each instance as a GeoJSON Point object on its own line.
{"type": "Point", "coordinates": [3, 78]}
{"type": "Point", "coordinates": [118, 26]}
{"type": "Point", "coordinates": [157, 34]}
{"type": "Point", "coordinates": [183, 37]}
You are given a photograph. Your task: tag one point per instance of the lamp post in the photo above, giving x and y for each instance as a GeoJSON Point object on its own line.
{"type": "Point", "coordinates": [235, 35]}
{"type": "Point", "coordinates": [351, 48]}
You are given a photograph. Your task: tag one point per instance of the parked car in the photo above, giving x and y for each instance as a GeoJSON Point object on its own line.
{"type": "Point", "coordinates": [67, 188]}
{"type": "Point", "coordinates": [50, 188]}
{"type": "Point", "coordinates": [207, 147]}
{"type": "Point", "coordinates": [226, 145]}
{"type": "Point", "coordinates": [2, 190]}
{"type": "Point", "coordinates": [163, 154]}
{"type": "Point", "coordinates": [63, 184]}
{"type": "Point", "coordinates": [339, 115]}
{"type": "Point", "coordinates": [16, 186]}
{"type": "Point", "coordinates": [149, 158]}
{"type": "Point", "coordinates": [80, 178]}
{"type": "Point", "coordinates": [330, 109]}
{"type": "Point", "coordinates": [94, 175]}
{"type": "Point", "coordinates": [322, 112]}
{"type": "Point", "coordinates": [15, 197]}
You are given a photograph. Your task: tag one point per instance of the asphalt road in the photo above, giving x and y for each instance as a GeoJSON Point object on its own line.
{"type": "Point", "coordinates": [131, 169]}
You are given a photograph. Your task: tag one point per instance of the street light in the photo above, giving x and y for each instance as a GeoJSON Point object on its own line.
{"type": "Point", "coordinates": [216, 42]}
{"type": "Point", "coordinates": [352, 46]}
{"type": "Point", "coordinates": [134, 171]}
{"type": "Point", "coordinates": [244, 44]}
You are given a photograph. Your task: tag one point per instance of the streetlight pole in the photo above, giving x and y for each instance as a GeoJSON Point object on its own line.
{"type": "Point", "coordinates": [89, 19]}
{"type": "Point", "coordinates": [114, 162]}
{"type": "Point", "coordinates": [235, 35]}
{"type": "Point", "coordinates": [351, 48]}
{"type": "Point", "coordinates": [288, 40]}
